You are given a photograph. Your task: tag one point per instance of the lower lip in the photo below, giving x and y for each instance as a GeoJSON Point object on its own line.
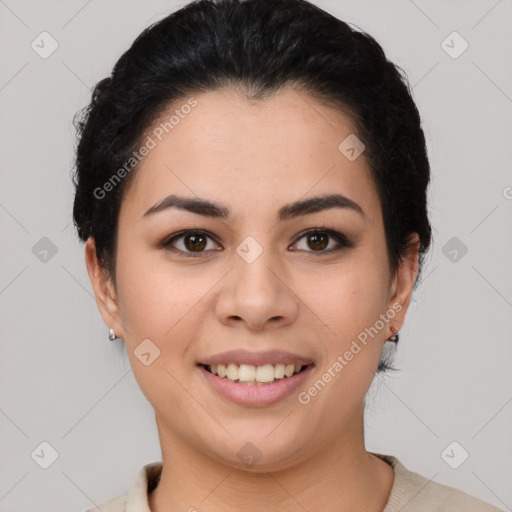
{"type": "Point", "coordinates": [254, 395]}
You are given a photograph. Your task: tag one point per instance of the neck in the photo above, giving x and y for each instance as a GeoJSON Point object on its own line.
{"type": "Point", "coordinates": [340, 476]}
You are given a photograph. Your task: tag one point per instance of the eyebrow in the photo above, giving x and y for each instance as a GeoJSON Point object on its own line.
{"type": "Point", "coordinates": [296, 209]}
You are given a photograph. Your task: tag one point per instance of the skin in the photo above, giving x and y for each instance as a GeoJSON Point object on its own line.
{"type": "Point", "coordinates": [254, 157]}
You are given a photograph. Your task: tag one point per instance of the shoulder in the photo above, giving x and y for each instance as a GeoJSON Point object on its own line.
{"type": "Point", "coordinates": [412, 492]}
{"type": "Point", "coordinates": [136, 497]}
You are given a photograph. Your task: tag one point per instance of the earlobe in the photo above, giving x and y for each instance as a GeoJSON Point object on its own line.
{"type": "Point", "coordinates": [103, 288]}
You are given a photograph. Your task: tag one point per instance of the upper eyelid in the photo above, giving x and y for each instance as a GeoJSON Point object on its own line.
{"type": "Point", "coordinates": [181, 234]}
{"type": "Point", "coordinates": [329, 231]}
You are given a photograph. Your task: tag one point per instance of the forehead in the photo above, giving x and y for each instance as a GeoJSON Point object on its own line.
{"type": "Point", "coordinates": [249, 152]}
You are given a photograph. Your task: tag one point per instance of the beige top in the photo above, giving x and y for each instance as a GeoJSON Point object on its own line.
{"type": "Point", "coordinates": [410, 492]}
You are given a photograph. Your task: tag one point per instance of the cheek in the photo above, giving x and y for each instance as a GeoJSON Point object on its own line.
{"type": "Point", "coordinates": [164, 308]}
{"type": "Point", "coordinates": [350, 301]}
{"type": "Point", "coordinates": [349, 297]}
{"type": "Point", "coordinates": [167, 306]}
{"type": "Point", "coordinates": [152, 299]}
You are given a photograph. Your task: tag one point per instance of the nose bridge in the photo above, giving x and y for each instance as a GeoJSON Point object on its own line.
{"type": "Point", "coordinates": [252, 273]}
{"type": "Point", "coordinates": [255, 292]}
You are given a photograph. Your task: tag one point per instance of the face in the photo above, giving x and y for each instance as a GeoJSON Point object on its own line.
{"type": "Point", "coordinates": [256, 270]}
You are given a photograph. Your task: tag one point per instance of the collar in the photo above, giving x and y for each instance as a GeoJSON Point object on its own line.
{"type": "Point", "coordinates": [148, 477]}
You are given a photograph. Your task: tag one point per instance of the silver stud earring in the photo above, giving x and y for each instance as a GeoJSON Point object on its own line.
{"type": "Point", "coordinates": [395, 336]}
{"type": "Point", "coordinates": [112, 335]}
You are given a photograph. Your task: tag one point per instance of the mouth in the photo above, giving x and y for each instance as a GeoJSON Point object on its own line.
{"type": "Point", "coordinates": [255, 379]}
{"type": "Point", "coordinates": [256, 386]}
{"type": "Point", "coordinates": [252, 375]}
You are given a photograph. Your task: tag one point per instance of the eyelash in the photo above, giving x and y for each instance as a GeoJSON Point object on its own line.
{"type": "Point", "coordinates": [342, 240]}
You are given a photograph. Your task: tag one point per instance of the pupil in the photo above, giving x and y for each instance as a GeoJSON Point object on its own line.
{"type": "Point", "coordinates": [195, 242]}
{"type": "Point", "coordinates": [316, 243]}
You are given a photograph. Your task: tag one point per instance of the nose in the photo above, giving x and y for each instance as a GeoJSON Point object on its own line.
{"type": "Point", "coordinates": [257, 295]}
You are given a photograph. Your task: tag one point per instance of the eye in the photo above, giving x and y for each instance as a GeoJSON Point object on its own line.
{"type": "Point", "coordinates": [190, 242]}
{"type": "Point", "coordinates": [319, 239]}
{"type": "Point", "coordinates": [194, 243]}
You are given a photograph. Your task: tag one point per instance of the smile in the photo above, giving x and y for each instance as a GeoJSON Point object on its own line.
{"type": "Point", "coordinates": [255, 386]}
{"type": "Point", "coordinates": [249, 374]}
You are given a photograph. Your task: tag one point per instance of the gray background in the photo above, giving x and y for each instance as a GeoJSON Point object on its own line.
{"type": "Point", "coordinates": [63, 382]}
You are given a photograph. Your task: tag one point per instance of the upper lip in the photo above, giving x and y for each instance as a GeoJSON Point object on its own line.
{"type": "Point", "coordinates": [239, 357]}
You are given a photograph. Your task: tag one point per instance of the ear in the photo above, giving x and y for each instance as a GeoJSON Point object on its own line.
{"type": "Point", "coordinates": [103, 287]}
{"type": "Point", "coordinates": [403, 282]}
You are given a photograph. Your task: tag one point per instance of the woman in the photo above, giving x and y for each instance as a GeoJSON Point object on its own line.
{"type": "Point", "coordinates": [251, 185]}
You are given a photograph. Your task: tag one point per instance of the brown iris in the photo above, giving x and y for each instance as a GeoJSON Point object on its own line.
{"type": "Point", "coordinates": [195, 242]}
{"type": "Point", "coordinates": [317, 240]}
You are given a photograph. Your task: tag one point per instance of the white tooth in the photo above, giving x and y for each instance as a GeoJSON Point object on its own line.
{"type": "Point", "coordinates": [289, 370]}
{"type": "Point", "coordinates": [232, 372]}
{"type": "Point", "coordinates": [246, 373]}
{"type": "Point", "coordinates": [259, 375]}
{"type": "Point", "coordinates": [279, 371]}
{"type": "Point", "coordinates": [265, 373]}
